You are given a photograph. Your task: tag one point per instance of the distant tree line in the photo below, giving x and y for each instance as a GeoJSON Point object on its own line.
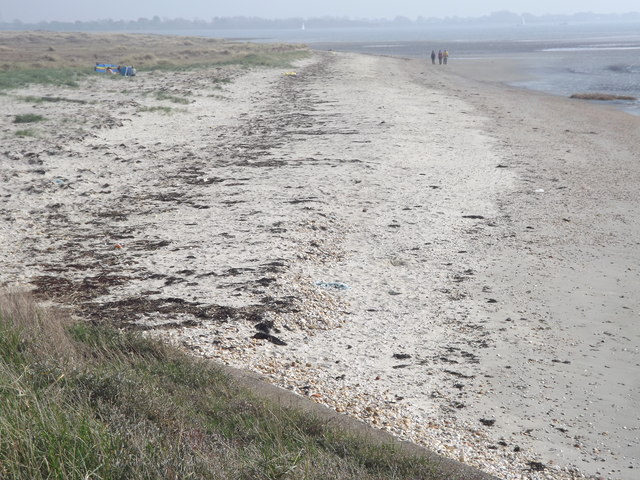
{"type": "Point", "coordinates": [220, 23]}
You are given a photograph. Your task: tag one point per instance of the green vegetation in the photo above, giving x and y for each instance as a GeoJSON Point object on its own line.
{"type": "Point", "coordinates": [28, 61]}
{"type": "Point", "coordinates": [27, 57]}
{"type": "Point", "coordinates": [172, 98]}
{"type": "Point", "coordinates": [21, 77]}
{"type": "Point", "coordinates": [27, 132]}
{"type": "Point", "coordinates": [281, 59]}
{"type": "Point", "coordinates": [83, 401]}
{"type": "Point", "coordinates": [28, 118]}
{"type": "Point", "coordinates": [218, 82]}
{"type": "Point", "coordinates": [32, 99]}
{"type": "Point", "coordinates": [272, 59]}
{"type": "Point", "coordinates": [165, 110]}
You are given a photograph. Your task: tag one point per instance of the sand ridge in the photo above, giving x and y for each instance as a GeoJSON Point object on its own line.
{"type": "Point", "coordinates": [424, 245]}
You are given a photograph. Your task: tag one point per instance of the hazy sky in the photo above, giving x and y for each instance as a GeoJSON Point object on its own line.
{"type": "Point", "coordinates": [69, 10]}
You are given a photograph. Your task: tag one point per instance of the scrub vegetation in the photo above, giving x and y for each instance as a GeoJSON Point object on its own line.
{"type": "Point", "coordinates": [28, 118]}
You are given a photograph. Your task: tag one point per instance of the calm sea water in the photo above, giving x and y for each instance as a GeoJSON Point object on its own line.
{"type": "Point", "coordinates": [559, 59]}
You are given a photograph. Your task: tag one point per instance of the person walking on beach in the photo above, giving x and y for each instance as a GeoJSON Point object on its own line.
{"type": "Point", "coordinates": [445, 56]}
{"type": "Point", "coordinates": [440, 57]}
{"type": "Point", "coordinates": [433, 57]}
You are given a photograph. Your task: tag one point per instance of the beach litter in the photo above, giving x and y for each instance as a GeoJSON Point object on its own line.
{"type": "Point", "coordinates": [62, 182]}
{"type": "Point", "coordinates": [333, 285]}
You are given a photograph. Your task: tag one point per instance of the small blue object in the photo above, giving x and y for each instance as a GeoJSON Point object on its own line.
{"type": "Point", "coordinates": [334, 285]}
{"type": "Point", "coordinates": [114, 69]}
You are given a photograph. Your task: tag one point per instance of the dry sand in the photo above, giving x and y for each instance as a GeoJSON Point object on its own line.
{"type": "Point", "coordinates": [449, 259]}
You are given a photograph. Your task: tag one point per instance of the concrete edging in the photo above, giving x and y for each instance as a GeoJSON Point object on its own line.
{"type": "Point", "coordinates": [254, 382]}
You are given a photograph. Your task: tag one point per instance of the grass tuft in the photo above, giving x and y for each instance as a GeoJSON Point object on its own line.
{"type": "Point", "coordinates": [162, 109]}
{"type": "Point", "coordinates": [33, 99]}
{"type": "Point", "coordinates": [28, 118]}
{"type": "Point", "coordinates": [26, 132]}
{"type": "Point", "coordinates": [172, 98]}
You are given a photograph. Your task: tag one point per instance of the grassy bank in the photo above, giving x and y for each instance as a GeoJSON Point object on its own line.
{"type": "Point", "coordinates": [64, 59]}
{"type": "Point", "coordinates": [81, 401]}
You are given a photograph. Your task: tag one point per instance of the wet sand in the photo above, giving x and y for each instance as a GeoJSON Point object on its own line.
{"type": "Point", "coordinates": [446, 258]}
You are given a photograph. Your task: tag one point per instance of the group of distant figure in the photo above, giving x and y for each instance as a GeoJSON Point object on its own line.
{"type": "Point", "coordinates": [442, 56]}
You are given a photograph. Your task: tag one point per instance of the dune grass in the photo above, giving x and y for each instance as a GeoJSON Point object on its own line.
{"type": "Point", "coordinates": [243, 59]}
{"type": "Point", "coordinates": [28, 118]}
{"type": "Point", "coordinates": [162, 95]}
{"type": "Point", "coordinates": [83, 401]}
{"type": "Point", "coordinates": [25, 57]}
{"type": "Point", "coordinates": [161, 109]}
{"type": "Point", "coordinates": [25, 132]}
{"type": "Point", "coordinates": [278, 59]}
{"type": "Point", "coordinates": [21, 77]}
{"type": "Point", "coordinates": [38, 100]}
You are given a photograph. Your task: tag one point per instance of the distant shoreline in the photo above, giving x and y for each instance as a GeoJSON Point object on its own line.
{"type": "Point", "coordinates": [527, 67]}
{"type": "Point", "coordinates": [491, 20]}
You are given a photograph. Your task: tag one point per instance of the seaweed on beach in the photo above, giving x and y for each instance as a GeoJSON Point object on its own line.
{"type": "Point", "coordinates": [72, 291]}
{"type": "Point", "coordinates": [606, 97]}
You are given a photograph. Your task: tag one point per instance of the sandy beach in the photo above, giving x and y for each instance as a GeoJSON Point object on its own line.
{"type": "Point", "coordinates": [442, 256]}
